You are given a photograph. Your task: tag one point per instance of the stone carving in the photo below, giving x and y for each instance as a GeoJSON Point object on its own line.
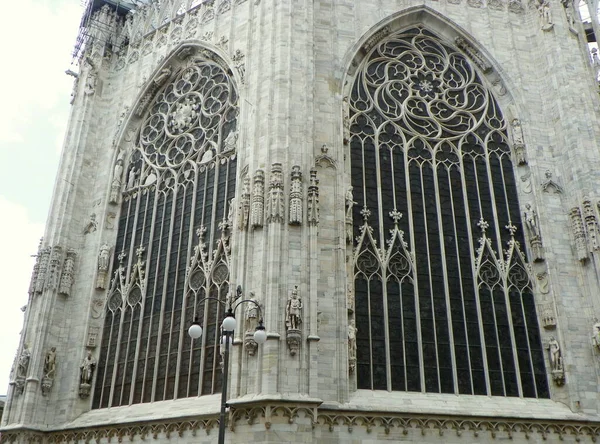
{"type": "Point", "coordinates": [293, 319]}
{"type": "Point", "coordinates": [549, 184]}
{"type": "Point", "coordinates": [115, 187]}
{"type": "Point", "coordinates": [591, 225]}
{"type": "Point", "coordinates": [473, 53]}
{"type": "Point", "coordinates": [556, 362]}
{"type": "Point", "coordinates": [244, 206]}
{"type": "Point", "coordinates": [596, 335]}
{"type": "Point", "coordinates": [518, 143]}
{"type": "Point", "coordinates": [67, 277]}
{"type": "Point", "coordinates": [375, 38]}
{"type": "Point", "coordinates": [296, 201]}
{"type": "Point", "coordinates": [548, 315]}
{"type": "Point", "coordinates": [238, 61]}
{"type": "Point", "coordinates": [579, 234]}
{"type": "Point", "coordinates": [543, 283]}
{"type": "Point", "coordinates": [36, 268]}
{"type": "Point", "coordinates": [516, 6]}
{"type": "Point", "coordinates": [349, 205]}
{"type": "Point", "coordinates": [44, 258]}
{"type": "Point", "coordinates": [475, 3]}
{"type": "Point", "coordinates": [230, 142]}
{"type": "Point", "coordinates": [54, 268]}
{"type": "Point", "coordinates": [275, 202]}
{"type": "Point", "coordinates": [23, 362]}
{"type": "Point", "coordinates": [496, 4]}
{"type": "Point", "coordinates": [92, 337]}
{"type": "Point", "coordinates": [49, 371]}
{"type": "Point", "coordinates": [346, 119]}
{"type": "Point", "coordinates": [87, 368]}
{"type": "Point", "coordinates": [527, 185]}
{"type": "Point", "coordinates": [110, 220]}
{"type": "Point", "coordinates": [350, 299]}
{"type": "Point", "coordinates": [535, 239]}
{"type": "Point", "coordinates": [313, 199]}
{"type": "Point", "coordinates": [568, 5]}
{"type": "Point", "coordinates": [103, 263]}
{"type": "Point", "coordinates": [258, 200]}
{"type": "Point", "coordinates": [352, 330]}
{"type": "Point", "coordinates": [92, 224]}
{"type": "Point", "coordinates": [251, 324]}
{"type": "Point", "coordinates": [90, 82]}
{"type": "Point", "coordinates": [132, 178]}
{"type": "Point", "coordinates": [543, 7]}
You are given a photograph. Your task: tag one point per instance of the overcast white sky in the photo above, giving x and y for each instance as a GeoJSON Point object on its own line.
{"type": "Point", "coordinates": [37, 39]}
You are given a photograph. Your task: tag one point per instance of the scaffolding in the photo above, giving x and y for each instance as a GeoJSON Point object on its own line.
{"type": "Point", "coordinates": [90, 29]}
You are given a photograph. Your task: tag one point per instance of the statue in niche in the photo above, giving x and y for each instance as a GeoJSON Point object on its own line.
{"type": "Point", "coordinates": [349, 203]}
{"type": "Point", "coordinates": [115, 187]}
{"type": "Point", "coordinates": [293, 310]}
{"type": "Point", "coordinates": [543, 8]}
{"type": "Point", "coordinates": [596, 335]}
{"type": "Point", "coordinates": [103, 263]}
{"type": "Point", "coordinates": [23, 363]}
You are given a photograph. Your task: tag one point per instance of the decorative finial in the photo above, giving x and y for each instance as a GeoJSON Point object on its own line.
{"type": "Point", "coordinates": [365, 213]}
{"type": "Point", "coordinates": [483, 224]}
{"type": "Point", "coordinates": [396, 215]}
{"type": "Point", "coordinates": [511, 229]}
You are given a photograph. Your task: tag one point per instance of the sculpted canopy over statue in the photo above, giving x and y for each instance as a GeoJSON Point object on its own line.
{"type": "Point", "coordinates": [293, 310]}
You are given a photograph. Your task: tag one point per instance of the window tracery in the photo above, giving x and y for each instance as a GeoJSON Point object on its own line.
{"type": "Point", "coordinates": [443, 295]}
{"type": "Point", "coordinates": [180, 180]}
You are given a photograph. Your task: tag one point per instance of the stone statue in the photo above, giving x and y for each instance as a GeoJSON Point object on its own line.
{"type": "Point", "coordinates": [596, 335]}
{"type": "Point", "coordinates": [349, 203]}
{"type": "Point", "coordinates": [50, 364]}
{"type": "Point", "coordinates": [92, 224]}
{"type": "Point", "coordinates": [116, 182]}
{"type": "Point", "coordinates": [543, 8]}
{"type": "Point", "coordinates": [531, 221]}
{"type": "Point", "coordinates": [87, 369]}
{"type": "Point", "coordinates": [293, 310]}
{"type": "Point", "coordinates": [555, 355]}
{"type": "Point", "coordinates": [132, 178]}
{"type": "Point", "coordinates": [23, 364]}
{"type": "Point", "coordinates": [103, 263]}
{"type": "Point", "coordinates": [230, 142]}
{"type": "Point", "coordinates": [352, 330]}
{"type": "Point", "coordinates": [251, 314]}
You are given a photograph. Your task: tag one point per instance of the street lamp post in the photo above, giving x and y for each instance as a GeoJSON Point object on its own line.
{"type": "Point", "coordinates": [228, 326]}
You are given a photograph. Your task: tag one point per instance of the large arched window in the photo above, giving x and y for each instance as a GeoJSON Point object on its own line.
{"type": "Point", "coordinates": [172, 243]}
{"type": "Point", "coordinates": [444, 301]}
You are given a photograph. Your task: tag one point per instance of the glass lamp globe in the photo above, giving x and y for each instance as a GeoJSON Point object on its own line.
{"type": "Point", "coordinates": [195, 331]}
{"type": "Point", "coordinates": [229, 323]}
{"type": "Point", "coordinates": [260, 335]}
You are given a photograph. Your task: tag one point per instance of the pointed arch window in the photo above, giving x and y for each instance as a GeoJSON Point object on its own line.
{"type": "Point", "coordinates": [443, 295]}
{"type": "Point", "coordinates": [172, 243]}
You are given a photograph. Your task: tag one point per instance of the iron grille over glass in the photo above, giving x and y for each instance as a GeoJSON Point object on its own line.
{"type": "Point", "coordinates": [179, 185]}
{"type": "Point", "coordinates": [443, 295]}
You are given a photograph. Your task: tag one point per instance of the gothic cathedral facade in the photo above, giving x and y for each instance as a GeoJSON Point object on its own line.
{"type": "Point", "coordinates": [408, 194]}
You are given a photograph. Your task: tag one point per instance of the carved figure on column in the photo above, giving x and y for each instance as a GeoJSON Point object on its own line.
{"type": "Point", "coordinates": [518, 142]}
{"type": "Point", "coordinates": [132, 178]}
{"type": "Point", "coordinates": [293, 319]}
{"type": "Point", "coordinates": [251, 324]}
{"type": "Point", "coordinates": [49, 371]}
{"type": "Point", "coordinates": [568, 5]}
{"type": "Point", "coordinates": [596, 335]}
{"type": "Point", "coordinates": [535, 239]}
{"type": "Point", "coordinates": [87, 368]}
{"type": "Point", "coordinates": [543, 8]}
{"type": "Point", "coordinates": [556, 364]}
{"type": "Point", "coordinates": [258, 200]}
{"type": "Point", "coordinates": [349, 206]}
{"type": "Point", "coordinates": [591, 225]}
{"type": "Point", "coordinates": [23, 363]}
{"type": "Point", "coordinates": [346, 119]}
{"type": "Point", "coordinates": [117, 182]}
{"type": "Point", "coordinates": [296, 204]}
{"type": "Point", "coordinates": [103, 263]}
{"type": "Point", "coordinates": [275, 202]}
{"type": "Point", "coordinates": [579, 234]}
{"type": "Point", "coordinates": [40, 282]}
{"type": "Point", "coordinates": [67, 277]}
{"type": "Point", "coordinates": [244, 207]}
{"type": "Point", "coordinates": [54, 268]}
{"type": "Point", "coordinates": [313, 199]}
{"type": "Point", "coordinates": [352, 330]}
